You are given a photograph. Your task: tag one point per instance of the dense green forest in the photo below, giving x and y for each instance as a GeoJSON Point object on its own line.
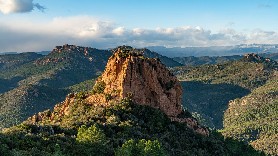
{"type": "Point", "coordinates": [123, 128]}
{"type": "Point", "coordinates": [41, 82]}
{"type": "Point", "coordinates": [253, 118]}
{"type": "Point", "coordinates": [243, 93]}
{"type": "Point", "coordinates": [209, 88]}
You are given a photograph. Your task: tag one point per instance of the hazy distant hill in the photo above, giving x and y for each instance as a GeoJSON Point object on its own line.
{"type": "Point", "coordinates": [196, 61]}
{"type": "Point", "coordinates": [215, 50]}
{"type": "Point", "coordinates": [201, 60]}
{"type": "Point", "coordinates": [9, 61]}
{"type": "Point", "coordinates": [273, 56]}
{"type": "Point", "coordinates": [169, 62]}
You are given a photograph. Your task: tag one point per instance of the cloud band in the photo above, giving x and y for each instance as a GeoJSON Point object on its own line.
{"type": "Point", "coordinates": [19, 6]}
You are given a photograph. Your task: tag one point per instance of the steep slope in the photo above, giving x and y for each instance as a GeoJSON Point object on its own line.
{"type": "Point", "coordinates": [211, 87]}
{"type": "Point", "coordinates": [129, 73]}
{"type": "Point", "coordinates": [12, 61]}
{"type": "Point", "coordinates": [109, 120]}
{"type": "Point", "coordinates": [254, 118]}
{"type": "Point", "coordinates": [34, 82]}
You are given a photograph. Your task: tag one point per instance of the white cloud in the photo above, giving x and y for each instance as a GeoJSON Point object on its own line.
{"type": "Point", "coordinates": [18, 6]}
{"type": "Point", "coordinates": [119, 31]}
{"type": "Point", "coordinates": [88, 31]}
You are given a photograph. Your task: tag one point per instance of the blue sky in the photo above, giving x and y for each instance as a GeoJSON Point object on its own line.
{"type": "Point", "coordinates": [34, 25]}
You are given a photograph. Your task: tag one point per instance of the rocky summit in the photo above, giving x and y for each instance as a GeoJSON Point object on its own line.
{"type": "Point", "coordinates": [134, 108]}
{"type": "Point", "coordinates": [145, 80]}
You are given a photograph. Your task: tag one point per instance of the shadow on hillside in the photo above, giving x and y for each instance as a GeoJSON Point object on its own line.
{"type": "Point", "coordinates": [210, 100]}
{"type": "Point", "coordinates": [105, 137]}
{"type": "Point", "coordinates": [9, 84]}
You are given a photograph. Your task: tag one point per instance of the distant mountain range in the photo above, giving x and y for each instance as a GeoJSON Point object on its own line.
{"type": "Point", "coordinates": [196, 61]}
{"type": "Point", "coordinates": [215, 50]}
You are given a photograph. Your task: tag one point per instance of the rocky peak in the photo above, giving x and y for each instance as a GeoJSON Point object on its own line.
{"type": "Point", "coordinates": [72, 48]}
{"type": "Point", "coordinates": [145, 80]}
{"type": "Point", "coordinates": [253, 58]}
{"type": "Point", "coordinates": [70, 53]}
{"type": "Point", "coordinates": [258, 59]}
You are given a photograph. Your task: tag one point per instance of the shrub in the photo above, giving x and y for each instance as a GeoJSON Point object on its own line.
{"type": "Point", "coordinates": [99, 87]}
{"type": "Point", "coordinates": [142, 148]}
{"type": "Point", "coordinates": [90, 135]}
{"type": "Point", "coordinates": [92, 141]}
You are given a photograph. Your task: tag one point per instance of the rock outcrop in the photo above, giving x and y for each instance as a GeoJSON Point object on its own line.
{"type": "Point", "coordinates": [145, 80]}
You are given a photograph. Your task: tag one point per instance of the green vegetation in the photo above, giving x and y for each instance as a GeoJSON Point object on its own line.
{"type": "Point", "coordinates": [99, 87]}
{"type": "Point", "coordinates": [208, 102]}
{"type": "Point", "coordinates": [243, 93]}
{"type": "Point", "coordinates": [249, 75]}
{"type": "Point", "coordinates": [253, 118]}
{"type": "Point", "coordinates": [31, 82]}
{"type": "Point", "coordinates": [123, 127]}
{"type": "Point", "coordinates": [83, 86]}
{"type": "Point", "coordinates": [90, 135]}
{"type": "Point", "coordinates": [40, 82]}
{"type": "Point", "coordinates": [12, 61]}
{"type": "Point", "coordinates": [142, 148]}
{"type": "Point", "coordinates": [208, 88]}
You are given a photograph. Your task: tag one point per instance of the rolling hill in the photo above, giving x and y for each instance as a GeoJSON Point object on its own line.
{"type": "Point", "coordinates": [29, 86]}
{"type": "Point", "coordinates": [108, 120]}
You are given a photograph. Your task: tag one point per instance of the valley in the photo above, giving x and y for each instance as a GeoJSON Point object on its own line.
{"type": "Point", "coordinates": [211, 92]}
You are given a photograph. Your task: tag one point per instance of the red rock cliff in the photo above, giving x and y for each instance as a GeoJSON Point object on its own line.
{"type": "Point", "coordinates": [129, 74]}
{"type": "Point", "coordinates": [147, 81]}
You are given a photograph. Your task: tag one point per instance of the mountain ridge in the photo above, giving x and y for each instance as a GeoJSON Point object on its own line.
{"type": "Point", "coordinates": [118, 125]}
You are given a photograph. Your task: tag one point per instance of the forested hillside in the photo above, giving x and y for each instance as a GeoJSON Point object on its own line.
{"type": "Point", "coordinates": [39, 83]}
{"type": "Point", "coordinates": [254, 118]}
{"type": "Point", "coordinates": [108, 120]}
{"type": "Point", "coordinates": [242, 94]}
{"type": "Point", "coordinates": [209, 88]}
